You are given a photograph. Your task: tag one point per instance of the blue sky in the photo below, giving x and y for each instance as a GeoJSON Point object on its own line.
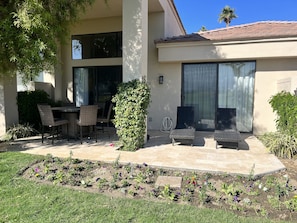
{"type": "Point", "coordinates": [197, 13]}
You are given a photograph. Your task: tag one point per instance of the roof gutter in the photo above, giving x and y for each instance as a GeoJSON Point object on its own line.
{"type": "Point", "coordinates": [221, 42]}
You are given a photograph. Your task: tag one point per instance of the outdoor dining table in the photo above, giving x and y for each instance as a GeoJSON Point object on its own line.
{"type": "Point", "coordinates": [71, 114]}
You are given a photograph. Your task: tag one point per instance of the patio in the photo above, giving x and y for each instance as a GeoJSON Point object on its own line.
{"type": "Point", "coordinates": [252, 156]}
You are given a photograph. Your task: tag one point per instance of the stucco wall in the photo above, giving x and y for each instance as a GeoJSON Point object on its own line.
{"type": "Point", "coordinates": [218, 51]}
{"type": "Point", "coordinates": [272, 76]}
{"type": "Point", "coordinates": [164, 97]}
{"type": "Point", "coordinates": [8, 104]}
{"type": "Point", "coordinates": [172, 27]}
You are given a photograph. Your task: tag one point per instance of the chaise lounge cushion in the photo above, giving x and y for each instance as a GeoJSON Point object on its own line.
{"type": "Point", "coordinates": [182, 134]}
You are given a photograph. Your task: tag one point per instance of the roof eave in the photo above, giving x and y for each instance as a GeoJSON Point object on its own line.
{"type": "Point", "coordinates": [169, 43]}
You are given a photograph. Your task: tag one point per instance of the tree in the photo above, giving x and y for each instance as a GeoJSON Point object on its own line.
{"type": "Point", "coordinates": [227, 15]}
{"type": "Point", "coordinates": [30, 31]}
{"type": "Point", "coordinates": [202, 29]}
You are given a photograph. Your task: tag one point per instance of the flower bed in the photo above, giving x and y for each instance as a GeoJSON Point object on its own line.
{"type": "Point", "coordinates": [273, 196]}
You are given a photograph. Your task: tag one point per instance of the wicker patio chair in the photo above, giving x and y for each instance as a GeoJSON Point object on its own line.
{"type": "Point", "coordinates": [88, 117]}
{"type": "Point", "coordinates": [48, 120]}
{"type": "Point", "coordinates": [105, 120]}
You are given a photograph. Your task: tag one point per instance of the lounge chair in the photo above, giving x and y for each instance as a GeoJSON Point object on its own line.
{"type": "Point", "coordinates": [184, 130]}
{"type": "Point", "coordinates": [226, 133]}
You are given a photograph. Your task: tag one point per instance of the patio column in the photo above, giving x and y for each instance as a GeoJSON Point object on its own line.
{"type": "Point", "coordinates": [135, 39]}
{"type": "Point", "coordinates": [8, 104]}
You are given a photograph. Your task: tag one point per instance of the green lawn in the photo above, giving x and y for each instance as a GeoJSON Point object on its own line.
{"type": "Point", "coordinates": [26, 201]}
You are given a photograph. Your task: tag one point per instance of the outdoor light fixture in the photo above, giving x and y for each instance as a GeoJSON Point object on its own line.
{"type": "Point", "coordinates": [161, 79]}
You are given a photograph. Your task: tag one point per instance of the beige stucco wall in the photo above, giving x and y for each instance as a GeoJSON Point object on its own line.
{"type": "Point", "coordinates": [135, 39]}
{"type": "Point", "coordinates": [218, 51]}
{"type": "Point", "coordinates": [8, 104]}
{"type": "Point", "coordinates": [271, 74]}
{"type": "Point", "coordinates": [173, 26]}
{"type": "Point", "coordinates": [166, 97]}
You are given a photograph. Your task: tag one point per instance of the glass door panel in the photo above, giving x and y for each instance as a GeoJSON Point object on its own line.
{"type": "Point", "coordinates": [199, 90]}
{"type": "Point", "coordinates": [236, 90]}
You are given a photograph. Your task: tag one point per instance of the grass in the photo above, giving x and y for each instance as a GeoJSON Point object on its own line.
{"type": "Point", "coordinates": [27, 201]}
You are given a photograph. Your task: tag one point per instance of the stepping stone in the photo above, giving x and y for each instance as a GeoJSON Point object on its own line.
{"type": "Point", "coordinates": [174, 182]}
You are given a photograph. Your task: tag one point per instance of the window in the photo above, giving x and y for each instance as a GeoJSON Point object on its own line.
{"type": "Point", "coordinates": [208, 86]}
{"type": "Point", "coordinates": [102, 45]}
{"type": "Point", "coordinates": [96, 85]}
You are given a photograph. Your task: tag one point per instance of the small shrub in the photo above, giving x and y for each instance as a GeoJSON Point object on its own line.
{"type": "Point", "coordinates": [283, 143]}
{"type": "Point", "coordinates": [27, 106]}
{"type": "Point", "coordinates": [19, 131]}
{"type": "Point", "coordinates": [285, 106]}
{"type": "Point", "coordinates": [280, 144]}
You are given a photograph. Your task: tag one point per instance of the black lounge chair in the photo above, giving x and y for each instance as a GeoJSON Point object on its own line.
{"type": "Point", "coordinates": [184, 130]}
{"type": "Point", "coordinates": [226, 133]}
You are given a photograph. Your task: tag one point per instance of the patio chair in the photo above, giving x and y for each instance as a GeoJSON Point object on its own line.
{"type": "Point", "coordinates": [226, 133]}
{"type": "Point", "coordinates": [184, 129]}
{"type": "Point", "coordinates": [48, 120]}
{"type": "Point", "coordinates": [105, 120]}
{"type": "Point", "coordinates": [87, 118]}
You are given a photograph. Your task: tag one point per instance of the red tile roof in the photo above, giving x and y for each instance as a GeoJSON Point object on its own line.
{"type": "Point", "coordinates": [257, 30]}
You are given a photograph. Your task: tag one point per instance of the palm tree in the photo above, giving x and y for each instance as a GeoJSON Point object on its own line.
{"type": "Point", "coordinates": [202, 29]}
{"type": "Point", "coordinates": [227, 15]}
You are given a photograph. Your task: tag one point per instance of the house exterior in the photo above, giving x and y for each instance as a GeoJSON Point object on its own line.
{"type": "Point", "coordinates": [240, 66]}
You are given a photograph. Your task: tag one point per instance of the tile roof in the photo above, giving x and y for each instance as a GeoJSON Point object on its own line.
{"type": "Point", "coordinates": [257, 30]}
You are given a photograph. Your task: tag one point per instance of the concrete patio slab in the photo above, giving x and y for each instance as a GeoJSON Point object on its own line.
{"type": "Point", "coordinates": [251, 158]}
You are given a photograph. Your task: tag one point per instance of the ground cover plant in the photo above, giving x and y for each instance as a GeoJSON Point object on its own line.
{"type": "Point", "coordinates": [271, 197]}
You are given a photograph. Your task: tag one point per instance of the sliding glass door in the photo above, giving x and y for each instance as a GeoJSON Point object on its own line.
{"type": "Point", "coordinates": [219, 85]}
{"type": "Point", "coordinates": [96, 85]}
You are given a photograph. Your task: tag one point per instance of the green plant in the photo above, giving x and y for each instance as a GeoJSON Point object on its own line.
{"type": "Point", "coordinates": [283, 143]}
{"type": "Point", "coordinates": [101, 183]}
{"type": "Point", "coordinates": [27, 106]}
{"type": "Point", "coordinates": [231, 190]}
{"type": "Point", "coordinates": [274, 201]}
{"type": "Point", "coordinates": [19, 131]}
{"type": "Point", "coordinates": [251, 175]}
{"type": "Point", "coordinates": [291, 204]}
{"type": "Point", "coordinates": [116, 163]}
{"type": "Point", "coordinates": [285, 106]}
{"type": "Point", "coordinates": [167, 193]}
{"type": "Point", "coordinates": [132, 101]}
{"type": "Point", "coordinates": [280, 143]}
{"type": "Point", "coordinates": [202, 194]}
{"type": "Point", "coordinates": [140, 178]}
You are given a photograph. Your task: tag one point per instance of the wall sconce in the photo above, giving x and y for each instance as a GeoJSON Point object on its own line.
{"type": "Point", "coordinates": [161, 79]}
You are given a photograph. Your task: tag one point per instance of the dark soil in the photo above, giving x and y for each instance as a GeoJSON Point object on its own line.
{"type": "Point", "coordinates": [273, 196]}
